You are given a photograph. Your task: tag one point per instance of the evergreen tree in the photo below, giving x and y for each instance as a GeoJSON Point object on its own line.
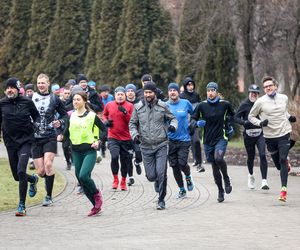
{"type": "Point", "coordinates": [66, 49]}
{"type": "Point", "coordinates": [221, 66]}
{"type": "Point", "coordinates": [91, 69]}
{"type": "Point", "coordinates": [4, 18]}
{"type": "Point", "coordinates": [162, 58]}
{"type": "Point", "coordinates": [106, 41]}
{"type": "Point", "coordinates": [42, 16]}
{"type": "Point", "coordinates": [13, 53]}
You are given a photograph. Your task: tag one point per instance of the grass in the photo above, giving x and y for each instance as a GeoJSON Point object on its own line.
{"type": "Point", "coordinates": [236, 143]}
{"type": "Point", "coordinates": [9, 188]}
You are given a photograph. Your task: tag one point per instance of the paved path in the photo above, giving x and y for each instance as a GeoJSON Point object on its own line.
{"type": "Point", "coordinates": [248, 219]}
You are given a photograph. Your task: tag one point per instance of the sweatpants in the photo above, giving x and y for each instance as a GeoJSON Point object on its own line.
{"type": "Point", "coordinates": [155, 163]}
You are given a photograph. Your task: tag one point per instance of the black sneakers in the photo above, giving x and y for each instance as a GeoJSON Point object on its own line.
{"type": "Point", "coordinates": [138, 168]}
{"type": "Point", "coordinates": [221, 196]}
{"type": "Point", "coordinates": [228, 187]}
{"type": "Point", "coordinates": [161, 205]}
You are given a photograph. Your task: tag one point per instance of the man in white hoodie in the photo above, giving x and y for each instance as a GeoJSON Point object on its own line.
{"type": "Point", "coordinates": [275, 121]}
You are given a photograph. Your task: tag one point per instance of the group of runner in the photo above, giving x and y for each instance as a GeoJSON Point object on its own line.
{"type": "Point", "coordinates": [138, 125]}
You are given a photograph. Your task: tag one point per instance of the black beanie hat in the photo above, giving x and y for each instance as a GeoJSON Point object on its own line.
{"type": "Point", "coordinates": [13, 82]}
{"type": "Point", "coordinates": [28, 86]}
{"type": "Point", "coordinates": [187, 80]}
{"type": "Point", "coordinates": [150, 86]}
{"type": "Point", "coordinates": [146, 78]}
{"type": "Point", "coordinates": [81, 77]}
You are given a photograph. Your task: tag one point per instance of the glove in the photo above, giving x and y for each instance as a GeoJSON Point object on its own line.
{"type": "Point", "coordinates": [171, 129]}
{"type": "Point", "coordinates": [122, 109]}
{"type": "Point", "coordinates": [201, 123]}
{"type": "Point", "coordinates": [264, 123]}
{"type": "Point", "coordinates": [108, 123]}
{"type": "Point", "coordinates": [230, 133]}
{"type": "Point", "coordinates": [292, 119]}
{"type": "Point", "coordinates": [137, 139]}
{"type": "Point", "coordinates": [247, 124]}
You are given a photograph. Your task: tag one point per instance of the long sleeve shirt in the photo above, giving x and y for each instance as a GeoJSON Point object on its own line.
{"type": "Point", "coordinates": [274, 109]}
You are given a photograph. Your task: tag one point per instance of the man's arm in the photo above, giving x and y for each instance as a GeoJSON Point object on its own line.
{"type": "Point", "coordinates": [134, 124]}
{"type": "Point", "coordinates": [254, 113]}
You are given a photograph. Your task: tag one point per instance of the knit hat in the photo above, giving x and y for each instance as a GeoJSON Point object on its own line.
{"type": "Point", "coordinates": [29, 86]}
{"type": "Point", "coordinates": [104, 88]}
{"type": "Point", "coordinates": [55, 87]}
{"type": "Point", "coordinates": [173, 85]}
{"type": "Point", "coordinates": [120, 89]}
{"type": "Point", "coordinates": [14, 83]}
{"type": "Point", "coordinates": [212, 85]}
{"type": "Point", "coordinates": [150, 86]}
{"type": "Point", "coordinates": [81, 77]}
{"type": "Point", "coordinates": [146, 78]}
{"type": "Point", "coordinates": [76, 89]}
{"type": "Point", "coordinates": [72, 81]}
{"type": "Point", "coordinates": [130, 86]}
{"type": "Point", "coordinates": [92, 84]}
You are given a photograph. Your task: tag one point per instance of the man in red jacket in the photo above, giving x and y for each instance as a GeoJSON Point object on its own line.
{"type": "Point", "coordinates": [116, 117]}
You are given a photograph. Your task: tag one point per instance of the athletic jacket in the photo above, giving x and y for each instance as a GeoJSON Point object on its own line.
{"type": "Point", "coordinates": [119, 130]}
{"type": "Point", "coordinates": [215, 115]}
{"type": "Point", "coordinates": [16, 117]}
{"type": "Point", "coordinates": [150, 122]}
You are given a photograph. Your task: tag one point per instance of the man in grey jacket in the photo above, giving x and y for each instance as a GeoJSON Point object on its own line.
{"type": "Point", "coordinates": [149, 124]}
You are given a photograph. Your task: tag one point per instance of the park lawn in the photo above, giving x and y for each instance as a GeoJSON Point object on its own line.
{"type": "Point", "coordinates": [236, 143]}
{"type": "Point", "coordinates": [9, 188]}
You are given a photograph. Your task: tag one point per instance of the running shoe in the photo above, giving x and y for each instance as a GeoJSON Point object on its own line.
{"type": "Point", "coordinates": [115, 182]}
{"type": "Point", "coordinates": [80, 190]}
{"type": "Point", "coordinates": [123, 184]}
{"type": "Point", "coordinates": [181, 194]}
{"type": "Point", "coordinates": [99, 158]}
{"type": "Point", "coordinates": [47, 201]}
{"type": "Point", "coordinates": [130, 181]}
{"type": "Point", "coordinates": [31, 165]}
{"type": "Point", "coordinates": [161, 205]}
{"type": "Point", "coordinates": [228, 187]}
{"type": "Point", "coordinates": [283, 193]}
{"type": "Point", "coordinates": [200, 169]}
{"type": "Point", "coordinates": [221, 196]}
{"type": "Point", "coordinates": [98, 200]}
{"type": "Point", "coordinates": [138, 168]}
{"type": "Point", "coordinates": [189, 183]}
{"type": "Point", "coordinates": [251, 181]}
{"type": "Point", "coordinates": [33, 186]}
{"type": "Point", "coordinates": [264, 184]}
{"type": "Point", "coordinates": [21, 210]}
{"type": "Point", "coordinates": [94, 211]}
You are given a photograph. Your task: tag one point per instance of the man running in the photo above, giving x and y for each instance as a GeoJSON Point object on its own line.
{"type": "Point", "coordinates": [44, 147]}
{"type": "Point", "coordinates": [16, 116]}
{"type": "Point", "coordinates": [272, 109]}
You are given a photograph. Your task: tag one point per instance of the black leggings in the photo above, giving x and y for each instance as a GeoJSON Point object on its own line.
{"type": "Point", "coordinates": [259, 142]}
{"type": "Point", "coordinates": [18, 160]}
{"type": "Point", "coordinates": [138, 158]}
{"type": "Point", "coordinates": [219, 166]}
{"type": "Point", "coordinates": [124, 150]}
{"type": "Point", "coordinates": [196, 147]}
{"type": "Point", "coordinates": [279, 149]}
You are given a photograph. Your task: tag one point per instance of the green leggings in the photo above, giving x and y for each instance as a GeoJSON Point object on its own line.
{"type": "Point", "coordinates": [84, 164]}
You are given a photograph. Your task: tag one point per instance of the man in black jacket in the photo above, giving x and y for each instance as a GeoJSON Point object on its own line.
{"type": "Point", "coordinates": [193, 97]}
{"type": "Point", "coordinates": [16, 116]}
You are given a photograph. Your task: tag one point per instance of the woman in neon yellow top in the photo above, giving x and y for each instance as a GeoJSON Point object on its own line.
{"type": "Point", "coordinates": [83, 131]}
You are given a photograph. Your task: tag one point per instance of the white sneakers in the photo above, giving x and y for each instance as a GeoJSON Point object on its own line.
{"type": "Point", "coordinates": [264, 184]}
{"type": "Point", "coordinates": [251, 181]}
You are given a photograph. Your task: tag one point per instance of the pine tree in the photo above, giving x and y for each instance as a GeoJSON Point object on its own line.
{"type": "Point", "coordinates": [13, 53]}
{"type": "Point", "coordinates": [4, 18]}
{"type": "Point", "coordinates": [42, 16]}
{"type": "Point", "coordinates": [106, 41]}
{"type": "Point", "coordinates": [66, 50]}
{"type": "Point", "coordinates": [90, 64]}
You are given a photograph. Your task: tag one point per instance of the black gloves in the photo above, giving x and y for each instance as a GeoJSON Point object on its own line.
{"type": "Point", "coordinates": [247, 124]}
{"type": "Point", "coordinates": [137, 140]}
{"type": "Point", "coordinates": [122, 109]}
{"type": "Point", "coordinates": [108, 123]}
{"type": "Point", "coordinates": [264, 123]}
{"type": "Point", "coordinates": [171, 129]}
{"type": "Point", "coordinates": [292, 119]}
